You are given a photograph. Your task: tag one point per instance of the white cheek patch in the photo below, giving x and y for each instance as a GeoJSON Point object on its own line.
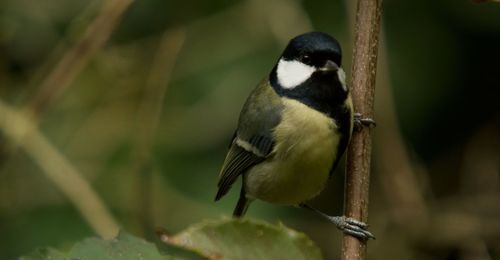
{"type": "Point", "coordinates": [341, 76]}
{"type": "Point", "coordinates": [293, 73]}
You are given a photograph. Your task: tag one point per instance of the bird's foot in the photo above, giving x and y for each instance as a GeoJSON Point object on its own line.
{"type": "Point", "coordinates": [349, 226]}
{"type": "Point", "coordinates": [360, 122]}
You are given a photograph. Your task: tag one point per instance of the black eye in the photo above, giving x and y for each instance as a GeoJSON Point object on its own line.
{"type": "Point", "coordinates": [305, 59]}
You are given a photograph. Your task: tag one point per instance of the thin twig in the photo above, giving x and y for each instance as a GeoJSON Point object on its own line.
{"type": "Point", "coordinates": [71, 64]}
{"type": "Point", "coordinates": [77, 57]}
{"type": "Point", "coordinates": [394, 166]}
{"type": "Point", "coordinates": [363, 88]}
{"type": "Point", "coordinates": [21, 129]}
{"type": "Point", "coordinates": [148, 117]}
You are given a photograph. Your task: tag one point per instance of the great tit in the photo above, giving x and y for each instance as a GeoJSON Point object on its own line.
{"type": "Point", "coordinates": [293, 130]}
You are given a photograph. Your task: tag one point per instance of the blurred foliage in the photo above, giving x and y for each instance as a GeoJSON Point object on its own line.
{"type": "Point", "coordinates": [124, 246]}
{"type": "Point", "coordinates": [440, 68]}
{"type": "Point", "coordinates": [221, 239]}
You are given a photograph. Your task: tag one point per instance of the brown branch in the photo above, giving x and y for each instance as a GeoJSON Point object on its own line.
{"type": "Point", "coordinates": [363, 88]}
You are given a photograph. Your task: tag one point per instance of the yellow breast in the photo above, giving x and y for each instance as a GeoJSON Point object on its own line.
{"type": "Point", "coordinates": [306, 145]}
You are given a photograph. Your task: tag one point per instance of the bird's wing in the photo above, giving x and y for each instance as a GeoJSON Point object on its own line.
{"type": "Point", "coordinates": [253, 141]}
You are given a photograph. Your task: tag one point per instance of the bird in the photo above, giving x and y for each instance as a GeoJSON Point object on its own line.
{"type": "Point", "coordinates": [293, 129]}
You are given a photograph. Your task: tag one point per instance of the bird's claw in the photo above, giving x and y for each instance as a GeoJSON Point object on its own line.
{"type": "Point", "coordinates": [352, 227]}
{"type": "Point", "coordinates": [349, 226]}
{"type": "Point", "coordinates": [360, 122]}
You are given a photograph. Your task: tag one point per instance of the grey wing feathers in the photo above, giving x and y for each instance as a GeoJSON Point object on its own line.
{"type": "Point", "coordinates": [238, 161]}
{"type": "Point", "coordinates": [253, 141]}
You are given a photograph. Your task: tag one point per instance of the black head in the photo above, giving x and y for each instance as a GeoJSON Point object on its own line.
{"type": "Point", "coordinates": [309, 71]}
{"type": "Point", "coordinates": [313, 48]}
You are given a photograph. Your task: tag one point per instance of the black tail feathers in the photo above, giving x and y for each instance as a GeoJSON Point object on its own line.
{"type": "Point", "coordinates": [242, 205]}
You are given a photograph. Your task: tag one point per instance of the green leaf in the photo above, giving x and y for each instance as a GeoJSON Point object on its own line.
{"type": "Point", "coordinates": [245, 239]}
{"type": "Point", "coordinates": [124, 246]}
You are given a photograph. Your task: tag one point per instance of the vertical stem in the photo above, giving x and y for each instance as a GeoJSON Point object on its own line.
{"type": "Point", "coordinates": [148, 118]}
{"type": "Point", "coordinates": [363, 88]}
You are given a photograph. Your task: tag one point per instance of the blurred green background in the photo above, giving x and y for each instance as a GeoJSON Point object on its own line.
{"type": "Point", "coordinates": [140, 99]}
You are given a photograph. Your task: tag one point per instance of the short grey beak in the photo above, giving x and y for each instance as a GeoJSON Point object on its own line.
{"type": "Point", "coordinates": [329, 66]}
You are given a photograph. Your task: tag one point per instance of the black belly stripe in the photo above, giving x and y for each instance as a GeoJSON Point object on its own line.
{"type": "Point", "coordinates": [323, 92]}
